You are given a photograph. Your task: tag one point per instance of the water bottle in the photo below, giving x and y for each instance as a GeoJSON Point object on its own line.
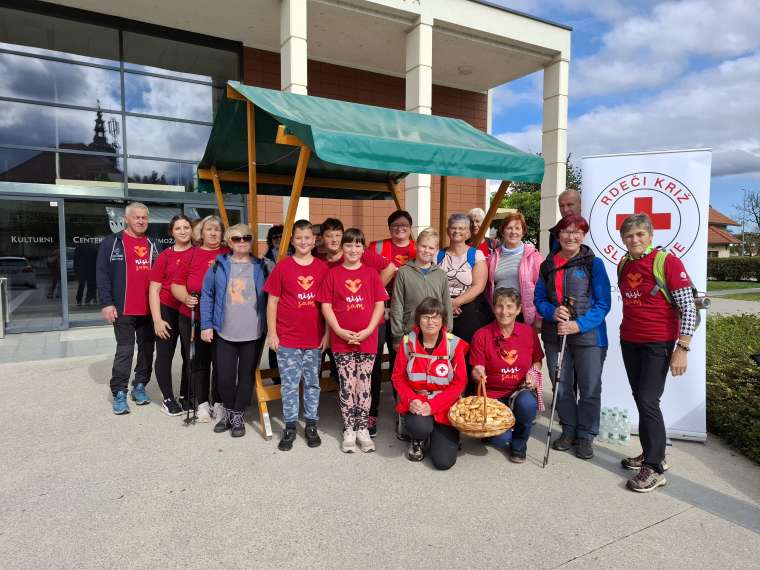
{"type": "Point", "coordinates": [625, 428]}
{"type": "Point", "coordinates": [604, 420]}
{"type": "Point", "coordinates": [614, 427]}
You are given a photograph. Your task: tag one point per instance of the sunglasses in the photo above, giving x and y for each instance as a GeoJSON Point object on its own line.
{"type": "Point", "coordinates": [239, 239]}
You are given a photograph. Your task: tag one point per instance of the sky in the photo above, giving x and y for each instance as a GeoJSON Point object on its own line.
{"type": "Point", "coordinates": [652, 75]}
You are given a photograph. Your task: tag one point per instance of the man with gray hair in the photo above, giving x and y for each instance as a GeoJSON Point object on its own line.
{"type": "Point", "coordinates": [569, 202]}
{"type": "Point", "coordinates": [123, 276]}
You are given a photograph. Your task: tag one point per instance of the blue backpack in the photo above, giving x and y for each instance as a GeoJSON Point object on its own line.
{"type": "Point", "coordinates": [471, 251]}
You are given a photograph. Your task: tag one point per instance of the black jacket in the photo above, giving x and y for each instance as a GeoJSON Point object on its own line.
{"type": "Point", "coordinates": [112, 270]}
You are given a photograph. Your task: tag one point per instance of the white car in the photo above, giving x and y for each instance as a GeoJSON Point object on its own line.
{"type": "Point", "coordinates": [19, 272]}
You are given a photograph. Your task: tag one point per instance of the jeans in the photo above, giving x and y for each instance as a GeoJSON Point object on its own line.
{"type": "Point", "coordinates": [129, 329]}
{"type": "Point", "coordinates": [296, 363]}
{"type": "Point", "coordinates": [579, 394]}
{"type": "Point", "coordinates": [524, 408]}
{"type": "Point", "coordinates": [165, 353]}
{"type": "Point", "coordinates": [647, 366]}
{"type": "Point", "coordinates": [236, 363]}
{"type": "Point", "coordinates": [444, 439]}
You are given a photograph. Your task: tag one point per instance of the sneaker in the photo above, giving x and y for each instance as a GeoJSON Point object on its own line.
{"type": "Point", "coordinates": [517, 456]}
{"type": "Point", "coordinates": [218, 411]}
{"type": "Point", "coordinates": [238, 424]}
{"type": "Point", "coordinates": [224, 421]}
{"type": "Point", "coordinates": [585, 448]}
{"type": "Point", "coordinates": [204, 413]}
{"type": "Point", "coordinates": [287, 439]}
{"type": "Point", "coordinates": [634, 463]}
{"type": "Point", "coordinates": [170, 407]}
{"type": "Point", "coordinates": [372, 426]}
{"type": "Point", "coordinates": [563, 443]}
{"type": "Point", "coordinates": [139, 396]}
{"type": "Point", "coordinates": [416, 450]}
{"type": "Point", "coordinates": [120, 405]}
{"type": "Point", "coordinates": [646, 480]}
{"type": "Point", "coordinates": [365, 441]}
{"type": "Point", "coordinates": [185, 404]}
{"type": "Point", "coordinates": [312, 437]}
{"type": "Point", "coordinates": [401, 430]}
{"type": "Point", "coordinates": [349, 441]}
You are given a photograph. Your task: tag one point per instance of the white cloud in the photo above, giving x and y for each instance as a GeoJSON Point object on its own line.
{"type": "Point", "coordinates": [716, 107]}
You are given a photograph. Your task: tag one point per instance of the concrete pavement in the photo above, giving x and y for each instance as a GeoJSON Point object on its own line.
{"type": "Point", "coordinates": [82, 488]}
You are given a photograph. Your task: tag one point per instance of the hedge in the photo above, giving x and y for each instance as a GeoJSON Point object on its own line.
{"type": "Point", "coordinates": [733, 268]}
{"type": "Point", "coordinates": [733, 381]}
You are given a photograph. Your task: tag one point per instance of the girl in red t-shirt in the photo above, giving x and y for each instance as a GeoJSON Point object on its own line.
{"type": "Point", "coordinates": [353, 298]}
{"type": "Point", "coordinates": [164, 309]}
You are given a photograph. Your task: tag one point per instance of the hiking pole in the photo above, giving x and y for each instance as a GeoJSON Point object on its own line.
{"type": "Point", "coordinates": [568, 302]}
{"type": "Point", "coordinates": [192, 378]}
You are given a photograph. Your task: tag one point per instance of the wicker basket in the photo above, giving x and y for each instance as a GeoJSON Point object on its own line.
{"type": "Point", "coordinates": [480, 429]}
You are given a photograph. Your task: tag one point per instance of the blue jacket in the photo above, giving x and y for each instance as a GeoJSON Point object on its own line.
{"type": "Point", "coordinates": [214, 293]}
{"type": "Point", "coordinates": [585, 279]}
{"type": "Point", "coordinates": [111, 270]}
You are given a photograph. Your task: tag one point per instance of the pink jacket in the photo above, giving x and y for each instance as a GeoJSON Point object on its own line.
{"type": "Point", "coordinates": [527, 277]}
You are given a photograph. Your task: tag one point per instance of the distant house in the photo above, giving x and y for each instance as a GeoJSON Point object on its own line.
{"type": "Point", "coordinates": [719, 239]}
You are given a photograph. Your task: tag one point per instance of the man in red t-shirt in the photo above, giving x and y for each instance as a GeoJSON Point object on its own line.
{"type": "Point", "coordinates": [123, 276]}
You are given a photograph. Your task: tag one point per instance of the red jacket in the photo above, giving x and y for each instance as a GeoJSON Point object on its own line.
{"type": "Point", "coordinates": [433, 372]}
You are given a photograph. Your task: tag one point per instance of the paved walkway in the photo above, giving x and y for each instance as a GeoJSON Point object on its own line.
{"type": "Point", "coordinates": [81, 488]}
{"type": "Point", "coordinates": [723, 292]}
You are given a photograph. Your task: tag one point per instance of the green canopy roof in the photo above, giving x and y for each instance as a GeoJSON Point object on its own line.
{"type": "Point", "coordinates": [350, 141]}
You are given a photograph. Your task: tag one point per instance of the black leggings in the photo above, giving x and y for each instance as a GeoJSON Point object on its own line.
{"type": "Point", "coordinates": [165, 353]}
{"type": "Point", "coordinates": [201, 364]}
{"type": "Point", "coordinates": [383, 337]}
{"type": "Point", "coordinates": [236, 362]}
{"type": "Point", "coordinates": [444, 440]}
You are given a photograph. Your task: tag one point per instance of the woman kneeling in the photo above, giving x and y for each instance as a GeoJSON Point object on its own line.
{"type": "Point", "coordinates": [508, 354]}
{"type": "Point", "coordinates": [429, 376]}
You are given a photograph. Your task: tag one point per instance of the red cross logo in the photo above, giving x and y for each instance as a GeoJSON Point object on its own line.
{"type": "Point", "coordinates": [660, 220]}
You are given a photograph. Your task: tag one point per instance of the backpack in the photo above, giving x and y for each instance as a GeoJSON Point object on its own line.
{"type": "Point", "coordinates": [471, 252]}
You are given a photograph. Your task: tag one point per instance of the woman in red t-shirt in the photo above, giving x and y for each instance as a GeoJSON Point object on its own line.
{"type": "Point", "coordinates": [164, 309]}
{"type": "Point", "coordinates": [655, 335]}
{"type": "Point", "coordinates": [186, 287]}
{"type": "Point", "coordinates": [353, 301]}
{"type": "Point", "coordinates": [508, 354]}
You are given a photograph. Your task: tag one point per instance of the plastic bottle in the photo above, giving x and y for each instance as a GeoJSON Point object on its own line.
{"type": "Point", "coordinates": [625, 428]}
{"type": "Point", "coordinates": [604, 421]}
{"type": "Point", "coordinates": [614, 428]}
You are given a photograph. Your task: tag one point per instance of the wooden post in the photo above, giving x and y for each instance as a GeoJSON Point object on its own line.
{"type": "Point", "coordinates": [498, 197]}
{"type": "Point", "coordinates": [252, 192]}
{"type": "Point", "coordinates": [393, 188]}
{"type": "Point", "coordinates": [219, 197]}
{"type": "Point", "coordinates": [295, 195]}
{"type": "Point", "coordinates": [443, 205]}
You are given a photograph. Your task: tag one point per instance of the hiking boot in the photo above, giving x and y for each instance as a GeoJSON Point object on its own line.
{"type": "Point", "coordinates": [224, 422]}
{"type": "Point", "coordinates": [170, 407]}
{"type": "Point", "coordinates": [365, 441]}
{"type": "Point", "coordinates": [646, 480]}
{"type": "Point", "coordinates": [517, 456]}
{"type": "Point", "coordinates": [634, 463]}
{"type": "Point", "coordinates": [237, 424]}
{"type": "Point", "coordinates": [312, 437]}
{"type": "Point", "coordinates": [584, 448]}
{"type": "Point", "coordinates": [401, 430]}
{"type": "Point", "coordinates": [139, 396]}
{"type": "Point", "coordinates": [286, 439]}
{"type": "Point", "coordinates": [416, 450]}
{"type": "Point", "coordinates": [563, 443]}
{"type": "Point", "coordinates": [349, 441]}
{"type": "Point", "coordinates": [204, 413]}
{"type": "Point", "coordinates": [372, 426]}
{"type": "Point", "coordinates": [120, 405]}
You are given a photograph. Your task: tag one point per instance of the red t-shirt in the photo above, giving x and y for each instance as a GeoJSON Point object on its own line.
{"type": "Point", "coordinates": [137, 259]}
{"type": "Point", "coordinates": [192, 270]}
{"type": "Point", "coordinates": [299, 319]}
{"type": "Point", "coordinates": [353, 294]}
{"type": "Point", "coordinates": [559, 262]}
{"type": "Point", "coordinates": [506, 360]}
{"type": "Point", "coordinates": [163, 272]}
{"type": "Point", "coordinates": [646, 317]}
{"type": "Point", "coordinates": [369, 258]}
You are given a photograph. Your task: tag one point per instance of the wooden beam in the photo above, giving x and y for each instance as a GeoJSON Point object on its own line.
{"type": "Point", "coordinates": [443, 207]}
{"type": "Point", "coordinates": [252, 181]}
{"type": "Point", "coordinates": [295, 196]}
{"type": "Point", "coordinates": [287, 180]}
{"type": "Point", "coordinates": [219, 198]}
{"type": "Point", "coordinates": [393, 189]}
{"type": "Point", "coordinates": [498, 197]}
{"type": "Point", "coordinates": [232, 94]}
{"type": "Point", "coordinates": [284, 138]}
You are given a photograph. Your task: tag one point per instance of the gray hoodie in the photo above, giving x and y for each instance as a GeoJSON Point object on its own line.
{"type": "Point", "coordinates": [409, 289]}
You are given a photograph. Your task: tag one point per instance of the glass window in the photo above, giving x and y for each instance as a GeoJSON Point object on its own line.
{"type": "Point", "coordinates": [180, 174]}
{"type": "Point", "coordinates": [234, 215]}
{"type": "Point", "coordinates": [167, 97]}
{"type": "Point", "coordinates": [24, 77]}
{"type": "Point", "coordinates": [36, 125]}
{"type": "Point", "coordinates": [166, 139]}
{"type": "Point", "coordinates": [57, 37]}
{"type": "Point", "coordinates": [90, 167]}
{"type": "Point", "coordinates": [27, 166]}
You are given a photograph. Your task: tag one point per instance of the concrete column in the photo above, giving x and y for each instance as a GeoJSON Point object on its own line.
{"type": "Point", "coordinates": [554, 144]}
{"type": "Point", "coordinates": [419, 99]}
{"type": "Point", "coordinates": [293, 67]}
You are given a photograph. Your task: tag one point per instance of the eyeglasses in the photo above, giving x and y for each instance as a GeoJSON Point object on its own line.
{"type": "Point", "coordinates": [239, 239]}
{"type": "Point", "coordinates": [431, 318]}
{"type": "Point", "coordinates": [571, 233]}
{"type": "Point", "coordinates": [397, 227]}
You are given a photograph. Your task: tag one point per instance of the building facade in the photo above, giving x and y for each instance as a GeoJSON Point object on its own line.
{"type": "Point", "coordinates": [720, 240]}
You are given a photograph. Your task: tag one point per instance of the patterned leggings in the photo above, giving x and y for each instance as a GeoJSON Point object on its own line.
{"type": "Point", "coordinates": [355, 373]}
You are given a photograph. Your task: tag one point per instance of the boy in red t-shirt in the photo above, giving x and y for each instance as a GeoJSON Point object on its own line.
{"type": "Point", "coordinates": [297, 332]}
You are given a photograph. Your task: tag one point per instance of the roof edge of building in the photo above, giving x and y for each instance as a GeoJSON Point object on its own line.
{"type": "Point", "coordinates": [523, 14]}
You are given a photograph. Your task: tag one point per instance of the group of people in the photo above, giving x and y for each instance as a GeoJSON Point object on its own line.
{"type": "Point", "coordinates": [448, 317]}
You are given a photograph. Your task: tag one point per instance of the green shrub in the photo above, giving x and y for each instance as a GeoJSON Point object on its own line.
{"type": "Point", "coordinates": [733, 381]}
{"type": "Point", "coordinates": [733, 268]}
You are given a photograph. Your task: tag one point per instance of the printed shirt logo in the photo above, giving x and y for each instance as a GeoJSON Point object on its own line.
{"type": "Point", "coordinates": [141, 250]}
{"type": "Point", "coordinates": [509, 356]}
{"type": "Point", "coordinates": [442, 369]}
{"type": "Point", "coordinates": [237, 291]}
{"type": "Point", "coordinates": [400, 259]}
{"type": "Point", "coordinates": [354, 285]}
{"type": "Point", "coordinates": [305, 281]}
{"type": "Point", "coordinates": [634, 280]}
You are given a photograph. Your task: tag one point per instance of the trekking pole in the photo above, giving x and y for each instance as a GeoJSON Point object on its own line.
{"type": "Point", "coordinates": [568, 302]}
{"type": "Point", "coordinates": [192, 378]}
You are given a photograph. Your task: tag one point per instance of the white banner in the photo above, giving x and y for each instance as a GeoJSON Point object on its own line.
{"type": "Point", "coordinates": [674, 189]}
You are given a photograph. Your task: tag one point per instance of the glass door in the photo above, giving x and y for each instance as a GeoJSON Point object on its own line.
{"type": "Point", "coordinates": [30, 258]}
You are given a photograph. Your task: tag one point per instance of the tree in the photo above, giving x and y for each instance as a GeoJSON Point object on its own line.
{"type": "Point", "coordinates": [573, 174]}
{"type": "Point", "coordinates": [750, 214]}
